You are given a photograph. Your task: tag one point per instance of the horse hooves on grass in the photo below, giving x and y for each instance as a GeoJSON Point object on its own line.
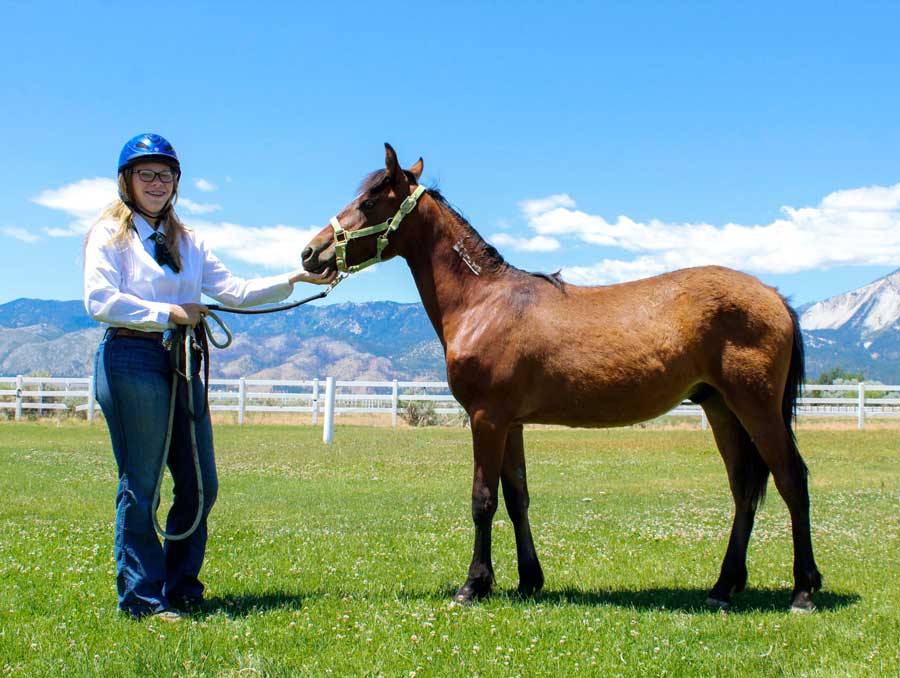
{"type": "Point", "coordinates": [717, 604]}
{"type": "Point", "coordinates": [530, 590]}
{"type": "Point", "coordinates": [802, 603]}
{"type": "Point", "coordinates": [468, 594]}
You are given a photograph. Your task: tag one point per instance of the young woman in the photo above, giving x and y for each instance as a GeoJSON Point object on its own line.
{"type": "Point", "coordinates": [144, 273]}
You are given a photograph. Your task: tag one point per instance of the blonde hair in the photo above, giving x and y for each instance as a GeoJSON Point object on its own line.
{"type": "Point", "coordinates": [123, 215]}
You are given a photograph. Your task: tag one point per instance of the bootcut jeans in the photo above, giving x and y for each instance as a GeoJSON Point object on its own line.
{"type": "Point", "coordinates": [133, 387]}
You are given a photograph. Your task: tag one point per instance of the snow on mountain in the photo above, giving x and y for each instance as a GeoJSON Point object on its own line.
{"type": "Point", "coordinates": [869, 309]}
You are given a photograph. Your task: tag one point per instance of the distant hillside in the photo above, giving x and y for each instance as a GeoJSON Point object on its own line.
{"type": "Point", "coordinates": [380, 340]}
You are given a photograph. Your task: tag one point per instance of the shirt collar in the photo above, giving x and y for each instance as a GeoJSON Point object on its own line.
{"type": "Point", "coordinates": [143, 228]}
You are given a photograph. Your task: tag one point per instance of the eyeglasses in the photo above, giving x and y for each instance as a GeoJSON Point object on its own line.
{"type": "Point", "coordinates": [148, 176]}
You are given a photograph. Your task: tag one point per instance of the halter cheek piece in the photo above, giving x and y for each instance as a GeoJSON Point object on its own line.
{"type": "Point", "coordinates": [384, 229]}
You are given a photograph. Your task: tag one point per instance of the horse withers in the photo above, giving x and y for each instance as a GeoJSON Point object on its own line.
{"type": "Point", "coordinates": [529, 348]}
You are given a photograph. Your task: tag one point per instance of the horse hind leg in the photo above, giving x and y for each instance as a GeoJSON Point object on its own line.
{"type": "Point", "coordinates": [747, 477]}
{"type": "Point", "coordinates": [515, 496]}
{"type": "Point", "coordinates": [776, 445]}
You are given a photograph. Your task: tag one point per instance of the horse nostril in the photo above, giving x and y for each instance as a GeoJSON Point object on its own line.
{"type": "Point", "coordinates": [307, 253]}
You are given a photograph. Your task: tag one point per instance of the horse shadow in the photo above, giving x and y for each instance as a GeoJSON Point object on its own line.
{"type": "Point", "coordinates": [693, 600]}
{"type": "Point", "coordinates": [687, 600]}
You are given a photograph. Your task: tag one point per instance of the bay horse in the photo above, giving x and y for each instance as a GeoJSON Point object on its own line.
{"type": "Point", "coordinates": [529, 348]}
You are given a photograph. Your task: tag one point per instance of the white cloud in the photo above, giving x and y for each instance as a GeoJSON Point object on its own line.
{"type": "Point", "coordinates": [191, 207]}
{"type": "Point", "coordinates": [532, 207]}
{"type": "Point", "coordinates": [850, 227]}
{"type": "Point", "coordinates": [20, 234]}
{"type": "Point", "coordinates": [83, 200]}
{"type": "Point", "coordinates": [204, 185]}
{"type": "Point", "coordinates": [274, 247]}
{"type": "Point", "coordinates": [61, 232]}
{"type": "Point", "coordinates": [539, 243]}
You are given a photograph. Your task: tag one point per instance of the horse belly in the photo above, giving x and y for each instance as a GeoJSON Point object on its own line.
{"type": "Point", "coordinates": [605, 405]}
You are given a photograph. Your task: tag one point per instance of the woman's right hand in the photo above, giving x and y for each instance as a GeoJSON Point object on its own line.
{"type": "Point", "coordinates": [187, 314]}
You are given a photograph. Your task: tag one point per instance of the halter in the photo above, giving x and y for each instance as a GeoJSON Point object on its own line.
{"type": "Point", "coordinates": [342, 237]}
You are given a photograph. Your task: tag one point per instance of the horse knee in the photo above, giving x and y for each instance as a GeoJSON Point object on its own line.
{"type": "Point", "coordinates": [483, 508]}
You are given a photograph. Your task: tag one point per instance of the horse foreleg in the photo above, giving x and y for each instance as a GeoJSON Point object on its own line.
{"type": "Point", "coordinates": [515, 495]}
{"type": "Point", "coordinates": [488, 441]}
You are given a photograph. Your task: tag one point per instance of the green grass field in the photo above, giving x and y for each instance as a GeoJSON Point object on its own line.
{"type": "Point", "coordinates": [341, 560]}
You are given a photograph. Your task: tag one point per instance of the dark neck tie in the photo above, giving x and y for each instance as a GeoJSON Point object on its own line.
{"type": "Point", "coordinates": [161, 252]}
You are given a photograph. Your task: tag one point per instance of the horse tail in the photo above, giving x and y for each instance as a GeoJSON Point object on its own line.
{"type": "Point", "coordinates": [756, 472]}
{"type": "Point", "coordinates": [794, 384]}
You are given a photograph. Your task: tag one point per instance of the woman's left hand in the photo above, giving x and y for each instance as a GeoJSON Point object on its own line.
{"type": "Point", "coordinates": [323, 278]}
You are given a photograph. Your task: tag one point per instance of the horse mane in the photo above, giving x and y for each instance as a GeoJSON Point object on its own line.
{"type": "Point", "coordinates": [483, 252]}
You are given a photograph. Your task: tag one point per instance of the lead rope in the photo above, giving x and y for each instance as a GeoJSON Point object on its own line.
{"type": "Point", "coordinates": [188, 370]}
{"type": "Point", "coordinates": [189, 341]}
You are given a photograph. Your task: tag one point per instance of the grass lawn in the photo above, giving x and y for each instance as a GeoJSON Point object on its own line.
{"type": "Point", "coordinates": [341, 560]}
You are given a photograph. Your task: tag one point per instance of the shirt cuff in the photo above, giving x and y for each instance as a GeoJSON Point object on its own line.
{"type": "Point", "coordinates": [159, 314]}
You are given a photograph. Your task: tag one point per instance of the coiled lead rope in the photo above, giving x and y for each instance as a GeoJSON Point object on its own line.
{"type": "Point", "coordinates": [188, 344]}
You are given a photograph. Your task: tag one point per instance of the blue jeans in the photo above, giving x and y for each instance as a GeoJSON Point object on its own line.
{"type": "Point", "coordinates": [133, 387]}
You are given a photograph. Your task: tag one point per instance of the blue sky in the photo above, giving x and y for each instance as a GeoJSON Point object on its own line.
{"type": "Point", "coordinates": [611, 141]}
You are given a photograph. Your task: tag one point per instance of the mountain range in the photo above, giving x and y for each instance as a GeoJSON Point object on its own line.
{"type": "Point", "coordinates": [858, 331]}
{"type": "Point", "coordinates": [374, 341]}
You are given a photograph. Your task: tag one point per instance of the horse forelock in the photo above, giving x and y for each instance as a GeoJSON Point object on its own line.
{"type": "Point", "coordinates": [379, 178]}
{"type": "Point", "coordinates": [372, 181]}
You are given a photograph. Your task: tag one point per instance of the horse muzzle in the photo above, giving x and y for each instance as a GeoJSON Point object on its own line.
{"type": "Point", "coordinates": [318, 255]}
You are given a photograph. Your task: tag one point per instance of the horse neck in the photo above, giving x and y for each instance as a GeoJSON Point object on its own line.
{"type": "Point", "coordinates": [445, 282]}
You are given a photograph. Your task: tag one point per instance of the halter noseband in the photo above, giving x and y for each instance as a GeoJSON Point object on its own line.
{"type": "Point", "coordinates": [342, 237]}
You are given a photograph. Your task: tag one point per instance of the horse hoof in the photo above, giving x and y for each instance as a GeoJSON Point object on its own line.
{"type": "Point", "coordinates": [468, 594]}
{"type": "Point", "coordinates": [529, 590]}
{"type": "Point", "coordinates": [462, 599]}
{"type": "Point", "coordinates": [802, 603]}
{"type": "Point", "coordinates": [717, 604]}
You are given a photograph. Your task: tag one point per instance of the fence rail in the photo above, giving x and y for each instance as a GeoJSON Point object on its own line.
{"type": "Point", "coordinates": [76, 394]}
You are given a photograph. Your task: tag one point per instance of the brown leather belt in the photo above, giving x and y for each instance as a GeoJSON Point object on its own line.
{"type": "Point", "coordinates": [134, 334]}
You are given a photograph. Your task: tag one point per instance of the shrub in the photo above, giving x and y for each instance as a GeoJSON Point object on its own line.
{"type": "Point", "coordinates": [420, 413]}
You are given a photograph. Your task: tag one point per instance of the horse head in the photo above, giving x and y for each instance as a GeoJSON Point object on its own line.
{"type": "Point", "coordinates": [357, 236]}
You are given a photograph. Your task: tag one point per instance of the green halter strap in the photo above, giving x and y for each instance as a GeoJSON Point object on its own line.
{"type": "Point", "coordinates": [342, 237]}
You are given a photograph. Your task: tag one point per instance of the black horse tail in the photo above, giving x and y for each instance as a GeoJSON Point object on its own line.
{"type": "Point", "coordinates": [756, 469]}
{"type": "Point", "coordinates": [792, 389]}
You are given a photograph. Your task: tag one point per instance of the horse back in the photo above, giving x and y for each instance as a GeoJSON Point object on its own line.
{"type": "Point", "coordinates": [617, 354]}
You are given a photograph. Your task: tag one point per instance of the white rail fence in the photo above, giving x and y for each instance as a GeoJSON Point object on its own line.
{"type": "Point", "coordinates": [46, 395]}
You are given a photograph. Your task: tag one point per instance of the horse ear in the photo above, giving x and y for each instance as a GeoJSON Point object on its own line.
{"type": "Point", "coordinates": [390, 162]}
{"type": "Point", "coordinates": [416, 169]}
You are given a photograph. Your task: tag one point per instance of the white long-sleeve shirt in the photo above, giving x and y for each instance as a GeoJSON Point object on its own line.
{"type": "Point", "coordinates": [125, 287]}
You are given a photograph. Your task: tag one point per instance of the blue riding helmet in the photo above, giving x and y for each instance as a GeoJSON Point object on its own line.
{"type": "Point", "coordinates": [148, 146]}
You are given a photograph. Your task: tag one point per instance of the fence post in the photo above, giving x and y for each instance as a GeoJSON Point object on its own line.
{"type": "Point", "coordinates": [242, 400]}
{"type": "Point", "coordinates": [395, 398]}
{"type": "Point", "coordinates": [861, 407]}
{"type": "Point", "coordinates": [315, 401]}
{"type": "Point", "coordinates": [328, 430]}
{"type": "Point", "coordinates": [19, 398]}
{"type": "Point", "coordinates": [91, 403]}
{"type": "Point", "coordinates": [704, 424]}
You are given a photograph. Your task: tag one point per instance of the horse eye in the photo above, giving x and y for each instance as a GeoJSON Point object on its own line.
{"type": "Point", "coordinates": [368, 204]}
